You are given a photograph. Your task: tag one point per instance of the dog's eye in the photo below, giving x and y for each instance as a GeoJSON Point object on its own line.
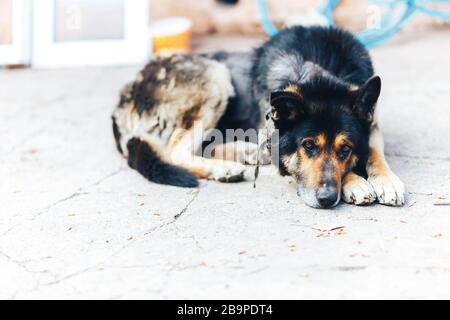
{"type": "Point", "coordinates": [309, 146]}
{"type": "Point", "coordinates": [344, 152]}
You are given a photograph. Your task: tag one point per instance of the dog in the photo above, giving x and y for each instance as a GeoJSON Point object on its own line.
{"type": "Point", "coordinates": [315, 87]}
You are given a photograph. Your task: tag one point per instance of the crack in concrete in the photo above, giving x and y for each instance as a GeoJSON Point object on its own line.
{"type": "Point", "coordinates": [79, 192]}
{"type": "Point", "coordinates": [185, 209]}
{"type": "Point", "coordinates": [76, 194]}
{"type": "Point", "coordinates": [72, 196]}
{"type": "Point", "coordinates": [177, 216]}
{"type": "Point", "coordinates": [67, 277]}
{"type": "Point", "coordinates": [23, 266]}
{"type": "Point", "coordinates": [9, 230]}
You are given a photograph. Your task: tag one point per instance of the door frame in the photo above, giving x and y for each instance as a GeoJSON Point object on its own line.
{"type": "Point", "coordinates": [18, 52]}
{"type": "Point", "coordinates": [133, 49]}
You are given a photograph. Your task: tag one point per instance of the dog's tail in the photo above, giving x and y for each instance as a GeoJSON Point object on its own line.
{"type": "Point", "coordinates": [143, 158]}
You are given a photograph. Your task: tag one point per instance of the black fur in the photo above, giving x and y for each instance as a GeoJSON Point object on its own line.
{"type": "Point", "coordinates": [323, 63]}
{"type": "Point", "coordinates": [242, 112]}
{"type": "Point", "coordinates": [336, 50]}
{"type": "Point", "coordinates": [117, 134]}
{"type": "Point", "coordinates": [156, 75]}
{"type": "Point", "coordinates": [146, 161]}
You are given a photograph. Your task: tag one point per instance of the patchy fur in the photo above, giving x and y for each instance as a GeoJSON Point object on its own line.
{"type": "Point", "coordinates": [169, 95]}
{"type": "Point", "coordinates": [316, 86]}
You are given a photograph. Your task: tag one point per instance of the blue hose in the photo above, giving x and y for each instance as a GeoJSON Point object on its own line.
{"type": "Point", "coordinates": [266, 22]}
{"type": "Point", "coordinates": [390, 24]}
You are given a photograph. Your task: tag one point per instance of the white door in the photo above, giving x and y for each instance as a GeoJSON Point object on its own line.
{"type": "Point", "coordinates": [14, 32]}
{"type": "Point", "coordinates": [90, 32]}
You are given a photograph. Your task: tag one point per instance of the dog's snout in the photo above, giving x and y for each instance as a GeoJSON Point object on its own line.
{"type": "Point", "coordinates": [327, 196]}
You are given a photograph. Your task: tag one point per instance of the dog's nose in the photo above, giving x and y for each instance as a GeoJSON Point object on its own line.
{"type": "Point", "coordinates": [327, 196]}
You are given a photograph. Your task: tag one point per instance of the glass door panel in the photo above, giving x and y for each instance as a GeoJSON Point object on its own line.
{"type": "Point", "coordinates": [87, 20]}
{"type": "Point", "coordinates": [6, 22]}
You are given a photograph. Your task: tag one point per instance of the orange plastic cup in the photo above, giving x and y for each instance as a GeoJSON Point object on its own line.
{"type": "Point", "coordinates": [172, 35]}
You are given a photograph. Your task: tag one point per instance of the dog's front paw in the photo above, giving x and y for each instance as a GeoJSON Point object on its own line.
{"type": "Point", "coordinates": [357, 190]}
{"type": "Point", "coordinates": [228, 171]}
{"type": "Point", "coordinates": [253, 153]}
{"type": "Point", "coordinates": [389, 189]}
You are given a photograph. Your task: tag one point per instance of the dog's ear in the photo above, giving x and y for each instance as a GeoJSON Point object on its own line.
{"type": "Point", "coordinates": [366, 99]}
{"type": "Point", "coordinates": [287, 106]}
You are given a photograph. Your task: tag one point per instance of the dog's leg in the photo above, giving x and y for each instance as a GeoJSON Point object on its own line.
{"type": "Point", "coordinates": [388, 187]}
{"type": "Point", "coordinates": [240, 151]}
{"type": "Point", "coordinates": [182, 148]}
{"type": "Point", "coordinates": [357, 190]}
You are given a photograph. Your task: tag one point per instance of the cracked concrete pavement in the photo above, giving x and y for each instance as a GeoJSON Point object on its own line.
{"type": "Point", "coordinates": [75, 222]}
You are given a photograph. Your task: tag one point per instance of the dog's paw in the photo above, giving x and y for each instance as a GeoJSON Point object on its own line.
{"type": "Point", "coordinates": [389, 189]}
{"type": "Point", "coordinates": [251, 155]}
{"type": "Point", "coordinates": [228, 171]}
{"type": "Point", "coordinates": [357, 190]}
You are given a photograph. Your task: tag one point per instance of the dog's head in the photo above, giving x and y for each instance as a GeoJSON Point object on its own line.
{"type": "Point", "coordinates": [324, 132]}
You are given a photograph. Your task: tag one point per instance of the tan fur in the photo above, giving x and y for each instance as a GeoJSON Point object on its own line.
{"type": "Point", "coordinates": [177, 135]}
{"type": "Point", "coordinates": [311, 170]}
{"type": "Point", "coordinates": [321, 141]}
{"type": "Point", "coordinates": [239, 151]}
{"type": "Point", "coordinates": [376, 164]}
{"type": "Point", "coordinates": [183, 110]}
{"type": "Point", "coordinates": [294, 89]}
{"type": "Point", "coordinates": [387, 186]}
{"type": "Point", "coordinates": [351, 177]}
{"type": "Point", "coordinates": [183, 154]}
{"type": "Point", "coordinates": [357, 190]}
{"type": "Point", "coordinates": [340, 141]}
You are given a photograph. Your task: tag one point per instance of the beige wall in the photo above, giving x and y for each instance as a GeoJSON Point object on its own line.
{"type": "Point", "coordinates": [208, 16]}
{"type": "Point", "coordinates": [5, 21]}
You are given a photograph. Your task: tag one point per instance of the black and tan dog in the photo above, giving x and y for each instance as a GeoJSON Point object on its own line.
{"type": "Point", "coordinates": [315, 86]}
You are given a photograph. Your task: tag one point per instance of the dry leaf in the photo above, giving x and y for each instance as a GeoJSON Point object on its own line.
{"type": "Point", "coordinates": [326, 231]}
